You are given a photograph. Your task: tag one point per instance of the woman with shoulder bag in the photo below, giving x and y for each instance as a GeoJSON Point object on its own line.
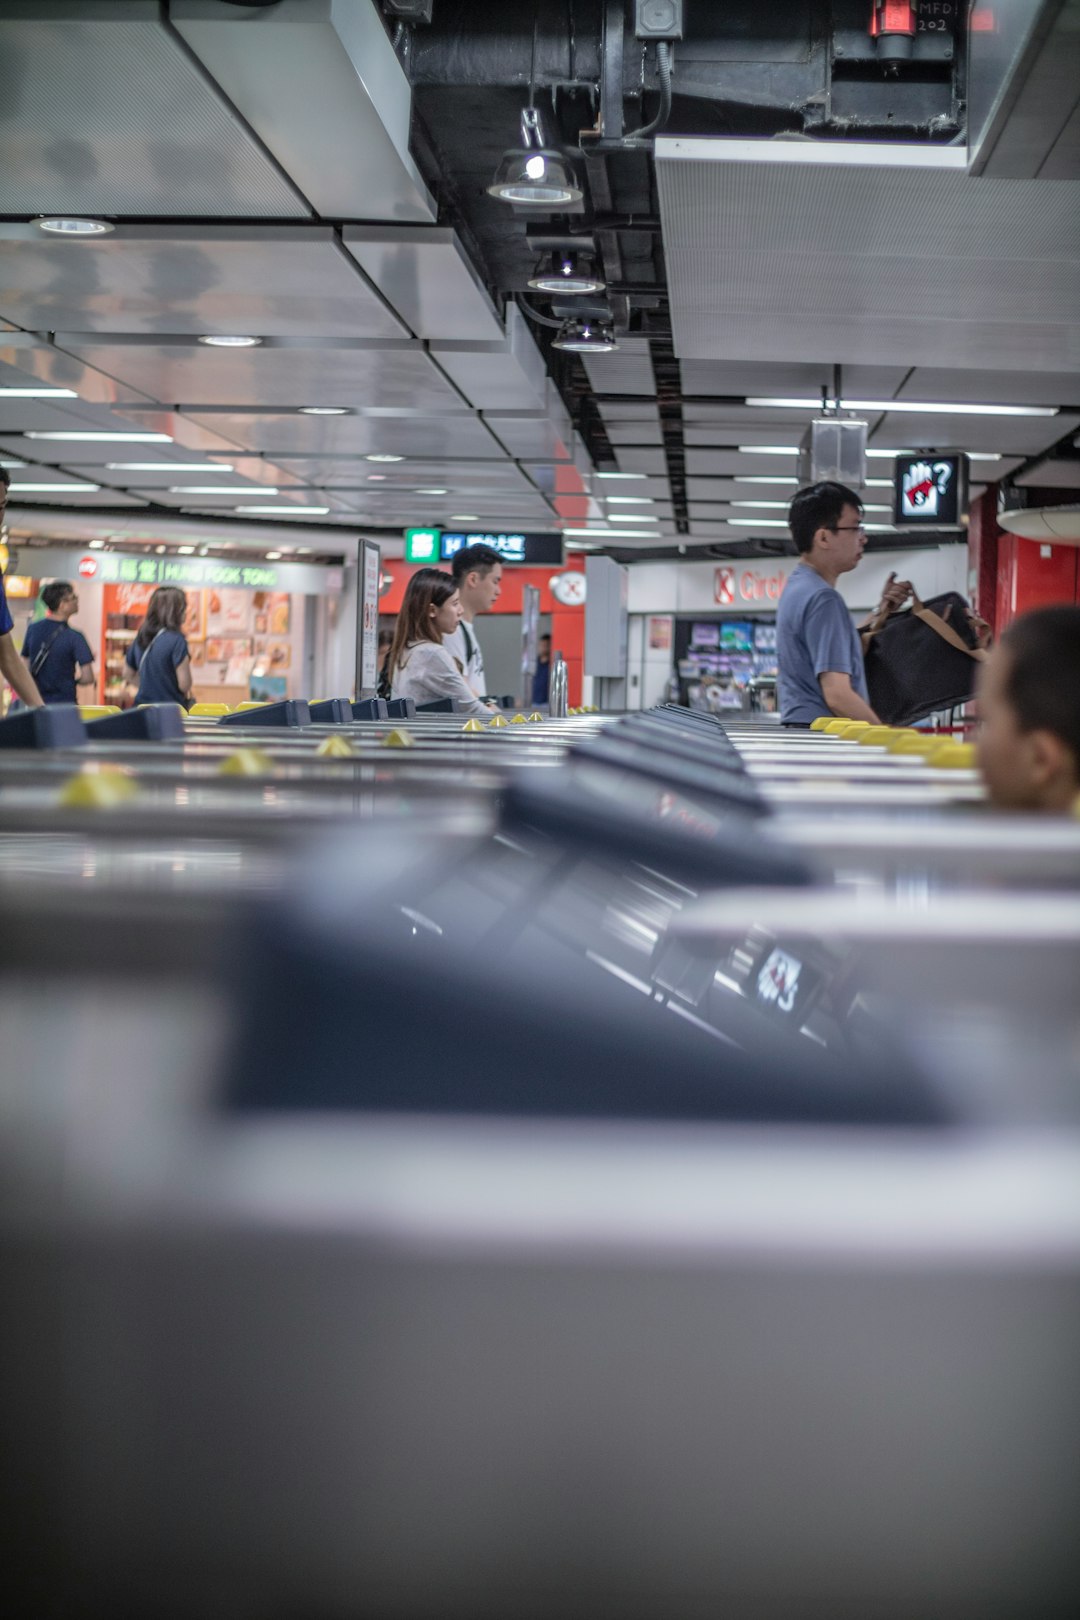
{"type": "Point", "coordinates": [420, 666]}
{"type": "Point", "coordinates": [158, 660]}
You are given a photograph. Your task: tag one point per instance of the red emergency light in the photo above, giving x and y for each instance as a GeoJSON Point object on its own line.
{"type": "Point", "coordinates": [893, 24]}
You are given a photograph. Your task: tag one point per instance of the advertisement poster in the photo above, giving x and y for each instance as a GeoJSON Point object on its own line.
{"type": "Point", "coordinates": [195, 621]}
{"type": "Point", "coordinates": [660, 633]}
{"type": "Point", "coordinates": [228, 612]}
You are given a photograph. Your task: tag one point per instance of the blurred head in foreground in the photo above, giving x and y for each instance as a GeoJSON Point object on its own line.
{"type": "Point", "coordinates": [1029, 709]}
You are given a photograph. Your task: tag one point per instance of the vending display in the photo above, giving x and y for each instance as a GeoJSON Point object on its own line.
{"type": "Point", "coordinates": [723, 664]}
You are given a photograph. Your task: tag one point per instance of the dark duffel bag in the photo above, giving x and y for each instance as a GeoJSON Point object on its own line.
{"type": "Point", "coordinates": [923, 659]}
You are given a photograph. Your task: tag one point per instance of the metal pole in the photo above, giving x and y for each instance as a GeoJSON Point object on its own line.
{"type": "Point", "coordinates": [558, 687]}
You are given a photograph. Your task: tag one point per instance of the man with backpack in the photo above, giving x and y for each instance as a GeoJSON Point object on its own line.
{"type": "Point", "coordinates": [59, 657]}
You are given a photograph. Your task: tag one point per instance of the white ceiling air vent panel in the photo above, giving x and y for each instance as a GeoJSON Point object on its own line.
{"type": "Point", "coordinates": [625, 370]}
{"type": "Point", "coordinates": [508, 375]}
{"type": "Point", "coordinates": [869, 254]}
{"type": "Point", "coordinates": [319, 83]}
{"type": "Point", "coordinates": [103, 112]}
{"type": "Point", "coordinates": [423, 274]}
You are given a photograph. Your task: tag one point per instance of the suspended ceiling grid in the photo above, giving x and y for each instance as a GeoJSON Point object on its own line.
{"type": "Point", "coordinates": [390, 320]}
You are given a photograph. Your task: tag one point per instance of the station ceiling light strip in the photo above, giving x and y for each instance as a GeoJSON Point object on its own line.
{"type": "Point", "coordinates": [169, 467]}
{"type": "Point", "coordinates": [102, 438]}
{"type": "Point", "coordinates": [923, 408]}
{"type": "Point", "coordinates": [38, 393]}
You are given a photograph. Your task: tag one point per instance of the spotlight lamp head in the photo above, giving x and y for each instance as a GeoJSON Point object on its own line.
{"type": "Point", "coordinates": [567, 273]}
{"type": "Point", "coordinates": [586, 336]}
{"type": "Point", "coordinates": [534, 173]}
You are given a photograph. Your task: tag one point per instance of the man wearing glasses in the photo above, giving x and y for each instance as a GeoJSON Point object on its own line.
{"type": "Point", "coordinates": [818, 651]}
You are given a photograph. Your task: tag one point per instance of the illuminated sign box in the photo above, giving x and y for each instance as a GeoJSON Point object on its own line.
{"type": "Point", "coordinates": [435, 546]}
{"type": "Point", "coordinates": [930, 491]}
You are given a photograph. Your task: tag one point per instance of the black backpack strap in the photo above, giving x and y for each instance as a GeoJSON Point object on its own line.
{"type": "Point", "coordinates": [41, 657]}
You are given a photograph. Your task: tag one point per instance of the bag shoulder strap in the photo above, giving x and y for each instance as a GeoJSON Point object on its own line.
{"type": "Point", "coordinates": [944, 630]}
{"type": "Point", "coordinates": [469, 643]}
{"type": "Point", "coordinates": [42, 655]}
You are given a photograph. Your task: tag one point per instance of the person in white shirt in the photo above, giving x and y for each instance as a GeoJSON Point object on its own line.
{"type": "Point", "coordinates": [421, 666]}
{"type": "Point", "coordinates": [478, 576]}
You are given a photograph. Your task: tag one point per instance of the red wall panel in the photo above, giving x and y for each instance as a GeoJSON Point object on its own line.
{"type": "Point", "coordinates": [1032, 574]}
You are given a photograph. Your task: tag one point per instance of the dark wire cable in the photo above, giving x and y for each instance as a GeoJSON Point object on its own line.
{"type": "Point", "coordinates": [663, 67]}
{"type": "Point", "coordinates": [544, 320]}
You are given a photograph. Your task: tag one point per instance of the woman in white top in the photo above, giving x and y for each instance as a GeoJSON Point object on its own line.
{"type": "Point", "coordinates": [421, 668]}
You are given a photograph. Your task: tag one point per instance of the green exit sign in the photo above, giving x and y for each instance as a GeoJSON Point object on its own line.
{"type": "Point", "coordinates": [422, 545]}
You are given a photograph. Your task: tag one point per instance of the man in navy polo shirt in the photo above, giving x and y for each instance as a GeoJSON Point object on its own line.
{"type": "Point", "coordinates": [12, 668]}
{"type": "Point", "coordinates": [58, 655]}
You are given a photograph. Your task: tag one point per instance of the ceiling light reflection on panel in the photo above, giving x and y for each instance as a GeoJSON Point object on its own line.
{"type": "Point", "coordinates": [423, 274]}
{"type": "Point", "coordinates": [315, 84]}
{"type": "Point", "coordinates": [272, 280]}
{"type": "Point", "coordinates": [387, 374]}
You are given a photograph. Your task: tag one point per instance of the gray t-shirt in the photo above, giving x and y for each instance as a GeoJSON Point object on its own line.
{"type": "Point", "coordinates": [814, 634]}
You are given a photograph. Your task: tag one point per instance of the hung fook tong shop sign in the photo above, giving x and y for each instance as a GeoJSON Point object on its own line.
{"type": "Point", "coordinates": [189, 573]}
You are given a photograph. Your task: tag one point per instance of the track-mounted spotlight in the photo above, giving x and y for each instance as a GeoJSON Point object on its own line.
{"type": "Point", "coordinates": [534, 173]}
{"type": "Point", "coordinates": [586, 336]}
{"type": "Point", "coordinates": [565, 272]}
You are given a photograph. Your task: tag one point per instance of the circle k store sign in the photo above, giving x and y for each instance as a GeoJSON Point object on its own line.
{"type": "Point", "coordinates": [741, 587]}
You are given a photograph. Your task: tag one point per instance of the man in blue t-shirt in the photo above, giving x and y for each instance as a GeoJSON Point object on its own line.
{"type": "Point", "coordinates": [12, 668]}
{"type": "Point", "coordinates": [819, 656]}
{"type": "Point", "coordinates": [58, 656]}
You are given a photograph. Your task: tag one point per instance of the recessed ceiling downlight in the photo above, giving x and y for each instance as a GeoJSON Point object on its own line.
{"type": "Point", "coordinates": [66, 225]}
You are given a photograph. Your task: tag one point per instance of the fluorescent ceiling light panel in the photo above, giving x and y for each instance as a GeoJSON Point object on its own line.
{"type": "Point", "coordinates": [762, 478]}
{"type": "Point", "coordinates": [226, 341]}
{"type": "Point", "coordinates": [264, 510]}
{"type": "Point", "coordinates": [629, 500]}
{"type": "Point", "coordinates": [972, 455]}
{"type": "Point", "coordinates": [613, 534]}
{"type": "Point", "coordinates": [217, 489]}
{"type": "Point", "coordinates": [168, 466]}
{"type": "Point", "coordinates": [922, 408]}
{"type": "Point", "coordinates": [622, 475]}
{"type": "Point", "coordinates": [38, 393]}
{"type": "Point", "coordinates": [40, 489]}
{"type": "Point", "coordinates": [632, 517]}
{"type": "Point", "coordinates": [104, 438]}
{"type": "Point", "coordinates": [757, 523]}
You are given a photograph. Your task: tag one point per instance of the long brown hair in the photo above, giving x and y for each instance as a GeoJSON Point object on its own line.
{"type": "Point", "coordinates": [166, 610]}
{"type": "Point", "coordinates": [429, 587]}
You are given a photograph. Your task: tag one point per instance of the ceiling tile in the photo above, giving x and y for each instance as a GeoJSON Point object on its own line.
{"type": "Point", "coordinates": [112, 116]}
{"type": "Point", "coordinates": [1017, 435]}
{"type": "Point", "coordinates": [421, 436]}
{"type": "Point", "coordinates": [257, 280]}
{"type": "Point", "coordinates": [990, 387]}
{"type": "Point", "coordinates": [423, 274]}
{"type": "Point", "coordinates": [398, 375]}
